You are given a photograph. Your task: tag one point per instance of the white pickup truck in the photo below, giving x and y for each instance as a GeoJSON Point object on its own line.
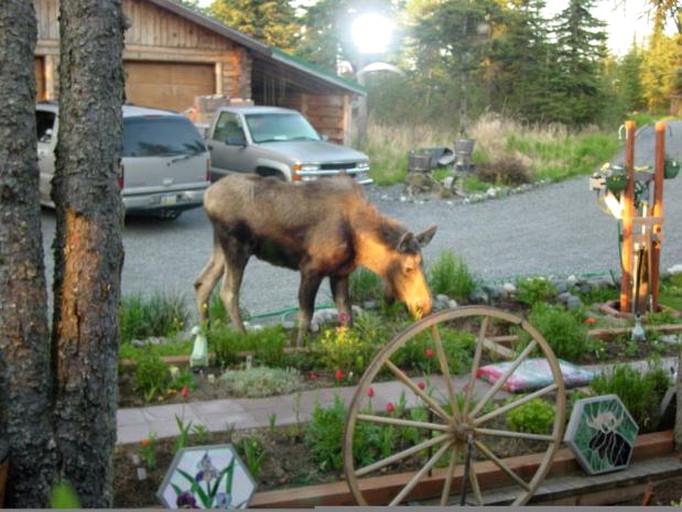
{"type": "Point", "coordinates": [274, 141]}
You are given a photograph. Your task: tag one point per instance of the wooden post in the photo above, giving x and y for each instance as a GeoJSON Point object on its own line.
{"type": "Point", "coordinates": [628, 212]}
{"type": "Point", "coordinates": [659, 172]}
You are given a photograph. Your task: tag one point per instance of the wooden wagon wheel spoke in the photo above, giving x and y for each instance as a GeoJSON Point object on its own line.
{"type": "Point", "coordinates": [502, 465]}
{"type": "Point", "coordinates": [445, 369]}
{"type": "Point", "coordinates": [513, 405]}
{"type": "Point", "coordinates": [399, 456]}
{"type": "Point", "coordinates": [435, 426]}
{"type": "Point", "coordinates": [419, 475]}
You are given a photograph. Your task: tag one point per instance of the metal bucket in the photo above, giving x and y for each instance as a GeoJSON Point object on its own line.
{"type": "Point", "coordinates": [418, 162]}
{"type": "Point", "coordinates": [463, 150]}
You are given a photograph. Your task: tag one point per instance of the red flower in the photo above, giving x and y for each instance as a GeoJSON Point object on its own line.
{"type": "Point", "coordinates": [421, 385]}
{"type": "Point", "coordinates": [428, 353]}
{"type": "Point", "coordinates": [184, 391]}
{"type": "Point", "coordinates": [339, 375]}
{"type": "Point", "coordinates": [313, 376]}
{"type": "Point", "coordinates": [390, 407]}
{"type": "Point", "coordinates": [370, 392]}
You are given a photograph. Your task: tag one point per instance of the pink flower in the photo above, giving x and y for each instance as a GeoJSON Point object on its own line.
{"type": "Point", "coordinates": [344, 318]}
{"type": "Point", "coordinates": [370, 392]}
{"type": "Point", "coordinates": [428, 353]}
{"type": "Point", "coordinates": [184, 391]}
{"type": "Point", "coordinates": [339, 375]}
{"type": "Point", "coordinates": [313, 376]}
{"type": "Point", "coordinates": [421, 385]}
{"type": "Point", "coordinates": [390, 407]}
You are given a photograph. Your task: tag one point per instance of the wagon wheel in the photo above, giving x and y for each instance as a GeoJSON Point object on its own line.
{"type": "Point", "coordinates": [448, 430]}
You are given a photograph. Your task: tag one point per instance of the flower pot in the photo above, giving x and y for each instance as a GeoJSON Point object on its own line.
{"type": "Point", "coordinates": [4, 466]}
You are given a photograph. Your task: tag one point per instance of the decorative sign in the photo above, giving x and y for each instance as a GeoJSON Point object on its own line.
{"type": "Point", "coordinates": [206, 477]}
{"type": "Point", "coordinates": [601, 434]}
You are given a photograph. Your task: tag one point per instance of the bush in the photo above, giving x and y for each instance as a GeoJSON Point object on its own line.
{"type": "Point", "coordinates": [267, 344]}
{"type": "Point", "coordinates": [365, 285]}
{"type": "Point", "coordinates": [152, 375]}
{"type": "Point", "coordinates": [324, 435]}
{"type": "Point", "coordinates": [564, 331]}
{"type": "Point", "coordinates": [450, 275]}
{"type": "Point", "coordinates": [342, 349]}
{"type": "Point", "coordinates": [534, 417]}
{"type": "Point", "coordinates": [509, 170]}
{"type": "Point", "coordinates": [532, 290]}
{"type": "Point", "coordinates": [260, 381]}
{"type": "Point", "coordinates": [158, 315]}
{"type": "Point", "coordinates": [641, 393]}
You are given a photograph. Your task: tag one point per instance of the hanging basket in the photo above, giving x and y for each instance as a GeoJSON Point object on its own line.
{"type": "Point", "coordinates": [616, 183]}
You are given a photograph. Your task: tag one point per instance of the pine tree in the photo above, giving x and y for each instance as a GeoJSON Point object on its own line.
{"type": "Point", "coordinates": [271, 21]}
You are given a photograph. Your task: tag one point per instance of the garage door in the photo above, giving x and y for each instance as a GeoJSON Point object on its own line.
{"type": "Point", "coordinates": [168, 85]}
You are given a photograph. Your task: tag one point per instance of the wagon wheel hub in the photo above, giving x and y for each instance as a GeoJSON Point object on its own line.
{"type": "Point", "coordinates": [461, 432]}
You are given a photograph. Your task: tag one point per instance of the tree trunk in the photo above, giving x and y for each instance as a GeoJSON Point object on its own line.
{"type": "Point", "coordinates": [88, 247]}
{"type": "Point", "coordinates": [678, 412]}
{"type": "Point", "coordinates": [25, 408]}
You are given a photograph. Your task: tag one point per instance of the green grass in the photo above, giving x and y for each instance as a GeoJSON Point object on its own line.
{"type": "Point", "coordinates": [159, 314]}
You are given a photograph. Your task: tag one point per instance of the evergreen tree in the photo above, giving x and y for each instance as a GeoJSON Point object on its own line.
{"type": "Point", "coordinates": [659, 71]}
{"type": "Point", "coordinates": [629, 75]}
{"type": "Point", "coordinates": [580, 48]}
{"type": "Point", "coordinates": [271, 21]}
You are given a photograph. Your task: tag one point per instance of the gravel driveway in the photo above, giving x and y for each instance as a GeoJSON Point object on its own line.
{"type": "Point", "coordinates": [555, 229]}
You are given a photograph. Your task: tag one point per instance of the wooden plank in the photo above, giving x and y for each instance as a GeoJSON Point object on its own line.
{"type": "Point", "coordinates": [379, 490]}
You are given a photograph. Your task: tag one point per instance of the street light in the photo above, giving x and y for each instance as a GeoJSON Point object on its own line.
{"type": "Point", "coordinates": [371, 33]}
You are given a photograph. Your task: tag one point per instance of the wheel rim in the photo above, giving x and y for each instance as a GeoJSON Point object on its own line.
{"type": "Point", "coordinates": [456, 422]}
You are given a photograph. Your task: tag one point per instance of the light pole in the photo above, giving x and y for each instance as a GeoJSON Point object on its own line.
{"type": "Point", "coordinates": [371, 33]}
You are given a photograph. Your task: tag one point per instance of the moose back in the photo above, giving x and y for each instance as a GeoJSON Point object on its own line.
{"type": "Point", "coordinates": [322, 228]}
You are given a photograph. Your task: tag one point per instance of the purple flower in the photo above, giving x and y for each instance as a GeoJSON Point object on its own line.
{"type": "Point", "coordinates": [207, 471]}
{"type": "Point", "coordinates": [186, 500]}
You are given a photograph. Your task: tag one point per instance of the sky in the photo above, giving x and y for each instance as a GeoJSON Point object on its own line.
{"type": "Point", "coordinates": [623, 24]}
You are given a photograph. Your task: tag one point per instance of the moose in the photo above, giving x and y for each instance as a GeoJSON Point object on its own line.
{"type": "Point", "coordinates": [322, 228]}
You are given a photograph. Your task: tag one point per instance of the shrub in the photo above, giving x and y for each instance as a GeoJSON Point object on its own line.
{"type": "Point", "coordinates": [342, 349]}
{"type": "Point", "coordinates": [260, 381]}
{"type": "Point", "coordinates": [267, 344]}
{"type": "Point", "coordinates": [158, 315]}
{"type": "Point", "coordinates": [324, 435]}
{"type": "Point", "coordinates": [535, 417]}
{"type": "Point", "coordinates": [152, 376]}
{"type": "Point", "coordinates": [641, 393]}
{"type": "Point", "coordinates": [365, 285]}
{"type": "Point", "coordinates": [450, 275]}
{"type": "Point", "coordinates": [532, 290]}
{"type": "Point", "coordinates": [509, 170]}
{"type": "Point", "coordinates": [565, 332]}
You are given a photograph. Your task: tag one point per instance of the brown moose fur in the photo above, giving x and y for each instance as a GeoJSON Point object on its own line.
{"type": "Point", "coordinates": [323, 228]}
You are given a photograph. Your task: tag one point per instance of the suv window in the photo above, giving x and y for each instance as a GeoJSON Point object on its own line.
{"type": "Point", "coordinates": [160, 136]}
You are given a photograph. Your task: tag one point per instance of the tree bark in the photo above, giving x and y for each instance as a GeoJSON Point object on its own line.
{"type": "Point", "coordinates": [25, 406]}
{"type": "Point", "coordinates": [88, 248]}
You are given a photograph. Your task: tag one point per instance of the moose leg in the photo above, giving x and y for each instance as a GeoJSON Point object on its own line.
{"type": "Point", "coordinates": [341, 295]}
{"type": "Point", "coordinates": [204, 284]}
{"type": "Point", "coordinates": [310, 284]}
{"type": "Point", "coordinates": [236, 258]}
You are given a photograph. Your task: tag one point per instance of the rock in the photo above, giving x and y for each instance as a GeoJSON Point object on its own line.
{"type": "Point", "coordinates": [479, 297]}
{"type": "Point", "coordinates": [574, 302]}
{"type": "Point", "coordinates": [675, 269]}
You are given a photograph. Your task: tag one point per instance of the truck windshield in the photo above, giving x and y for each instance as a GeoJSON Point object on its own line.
{"type": "Point", "coordinates": [280, 127]}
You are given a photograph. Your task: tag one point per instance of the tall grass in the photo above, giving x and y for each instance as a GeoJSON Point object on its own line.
{"type": "Point", "coordinates": [551, 152]}
{"type": "Point", "coordinates": [450, 275]}
{"type": "Point", "coordinates": [156, 315]}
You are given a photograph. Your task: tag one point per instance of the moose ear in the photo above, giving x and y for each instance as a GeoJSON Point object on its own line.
{"type": "Point", "coordinates": [406, 241]}
{"type": "Point", "coordinates": [425, 237]}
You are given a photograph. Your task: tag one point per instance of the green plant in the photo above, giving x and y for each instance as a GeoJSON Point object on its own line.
{"type": "Point", "coordinates": [534, 417]}
{"type": "Point", "coordinates": [272, 421]}
{"type": "Point", "coordinates": [157, 315]}
{"type": "Point", "coordinates": [342, 349]}
{"type": "Point", "coordinates": [185, 379]}
{"type": "Point", "coordinates": [64, 496]}
{"type": "Point", "coordinates": [200, 432]}
{"type": "Point", "coordinates": [535, 289]}
{"type": "Point", "coordinates": [151, 375]}
{"type": "Point", "coordinates": [641, 393]}
{"type": "Point", "coordinates": [259, 381]}
{"type": "Point", "coordinates": [450, 275]}
{"type": "Point", "coordinates": [365, 285]}
{"type": "Point", "coordinates": [324, 435]}
{"type": "Point", "coordinates": [183, 439]}
{"type": "Point", "coordinates": [254, 455]}
{"type": "Point", "coordinates": [147, 451]}
{"type": "Point", "coordinates": [564, 331]}
{"type": "Point", "coordinates": [267, 344]}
